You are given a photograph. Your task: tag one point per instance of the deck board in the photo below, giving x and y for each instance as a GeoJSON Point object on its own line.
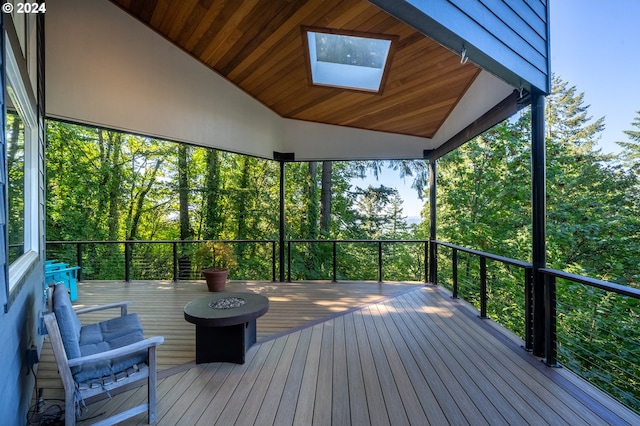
{"type": "Point", "coordinates": [410, 356]}
{"type": "Point", "coordinates": [358, 412]}
{"type": "Point", "coordinates": [340, 391]}
{"type": "Point", "coordinates": [426, 398]}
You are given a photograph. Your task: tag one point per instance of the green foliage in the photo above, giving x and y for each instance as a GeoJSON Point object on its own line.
{"type": "Point", "coordinates": [214, 255]}
{"type": "Point", "coordinates": [15, 167]}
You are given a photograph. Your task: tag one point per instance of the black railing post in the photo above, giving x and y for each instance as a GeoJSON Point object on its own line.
{"type": "Point", "coordinates": [528, 308]}
{"type": "Point", "coordinates": [175, 262]}
{"type": "Point", "coordinates": [538, 218]}
{"type": "Point", "coordinates": [79, 260]}
{"type": "Point", "coordinates": [426, 262]}
{"type": "Point", "coordinates": [288, 261]}
{"type": "Point", "coordinates": [551, 342]}
{"type": "Point", "coordinates": [335, 261]}
{"type": "Point", "coordinates": [127, 261]}
{"type": "Point", "coordinates": [282, 157]}
{"type": "Point", "coordinates": [433, 263]}
{"type": "Point", "coordinates": [282, 231]}
{"type": "Point", "coordinates": [483, 287]}
{"type": "Point", "coordinates": [454, 266]}
{"type": "Point", "coordinates": [379, 261]}
{"type": "Point", "coordinates": [273, 260]}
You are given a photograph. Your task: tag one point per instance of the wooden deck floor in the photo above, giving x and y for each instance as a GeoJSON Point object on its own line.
{"type": "Point", "coordinates": [409, 355]}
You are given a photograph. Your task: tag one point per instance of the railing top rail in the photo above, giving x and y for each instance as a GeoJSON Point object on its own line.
{"type": "Point", "coordinates": [593, 282]}
{"type": "Point", "coordinates": [233, 241]}
{"type": "Point", "coordinates": [159, 241]}
{"type": "Point", "coordinates": [502, 259]}
{"type": "Point", "coordinates": [356, 241]}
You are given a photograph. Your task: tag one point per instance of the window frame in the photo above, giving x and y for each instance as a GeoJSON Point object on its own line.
{"type": "Point", "coordinates": [23, 98]}
{"type": "Point", "coordinates": [385, 70]}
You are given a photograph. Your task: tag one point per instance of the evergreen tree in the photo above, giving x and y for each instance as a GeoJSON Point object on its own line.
{"type": "Point", "coordinates": [588, 204]}
{"type": "Point", "coordinates": [631, 149]}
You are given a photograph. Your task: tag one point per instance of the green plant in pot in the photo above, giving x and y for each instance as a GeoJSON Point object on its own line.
{"type": "Point", "coordinates": [216, 259]}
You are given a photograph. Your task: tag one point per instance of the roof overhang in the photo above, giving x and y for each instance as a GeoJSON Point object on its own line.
{"type": "Point", "coordinates": [107, 68]}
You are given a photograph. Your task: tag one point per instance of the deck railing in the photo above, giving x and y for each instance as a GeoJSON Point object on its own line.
{"type": "Point", "coordinates": [591, 326]}
{"type": "Point", "coordinates": [159, 259]}
{"type": "Point", "coordinates": [257, 259]}
{"type": "Point", "coordinates": [595, 332]}
{"type": "Point", "coordinates": [393, 260]}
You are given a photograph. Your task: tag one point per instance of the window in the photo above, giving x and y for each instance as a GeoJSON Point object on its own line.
{"type": "Point", "coordinates": [15, 182]}
{"type": "Point", "coordinates": [347, 59]}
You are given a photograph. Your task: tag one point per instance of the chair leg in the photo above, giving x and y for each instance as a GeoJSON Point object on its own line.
{"type": "Point", "coordinates": [151, 385]}
{"type": "Point", "coordinates": [70, 410]}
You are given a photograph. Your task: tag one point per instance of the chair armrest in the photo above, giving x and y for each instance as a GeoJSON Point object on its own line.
{"type": "Point", "coordinates": [122, 305]}
{"type": "Point", "coordinates": [114, 353]}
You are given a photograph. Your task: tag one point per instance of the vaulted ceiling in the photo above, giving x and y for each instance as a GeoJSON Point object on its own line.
{"type": "Point", "coordinates": [258, 46]}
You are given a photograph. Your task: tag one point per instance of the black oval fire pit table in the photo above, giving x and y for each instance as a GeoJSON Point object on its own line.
{"type": "Point", "coordinates": [225, 325]}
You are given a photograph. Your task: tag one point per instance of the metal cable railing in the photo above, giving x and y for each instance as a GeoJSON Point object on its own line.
{"type": "Point", "coordinates": [395, 260]}
{"type": "Point", "coordinates": [596, 330]}
{"type": "Point", "coordinates": [591, 326]}
{"type": "Point", "coordinates": [497, 286]}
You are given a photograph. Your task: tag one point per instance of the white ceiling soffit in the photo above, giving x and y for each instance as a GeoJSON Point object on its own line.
{"type": "Point", "coordinates": [106, 69]}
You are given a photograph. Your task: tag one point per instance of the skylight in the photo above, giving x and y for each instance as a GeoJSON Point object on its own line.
{"type": "Point", "coordinates": [347, 60]}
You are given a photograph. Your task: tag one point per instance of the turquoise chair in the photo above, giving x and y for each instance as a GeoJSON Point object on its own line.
{"type": "Point", "coordinates": [56, 272]}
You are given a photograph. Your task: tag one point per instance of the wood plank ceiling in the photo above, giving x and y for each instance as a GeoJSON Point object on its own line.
{"type": "Point", "coordinates": [258, 46]}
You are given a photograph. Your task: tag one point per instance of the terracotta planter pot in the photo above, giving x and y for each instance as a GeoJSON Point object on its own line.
{"type": "Point", "coordinates": [216, 279]}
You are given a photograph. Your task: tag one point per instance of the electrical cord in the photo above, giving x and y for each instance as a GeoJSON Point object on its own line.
{"type": "Point", "coordinates": [52, 415]}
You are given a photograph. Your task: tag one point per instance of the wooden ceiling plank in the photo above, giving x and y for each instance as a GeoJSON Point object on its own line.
{"type": "Point", "coordinates": [191, 24]}
{"type": "Point", "coordinates": [363, 103]}
{"type": "Point", "coordinates": [374, 22]}
{"type": "Point", "coordinates": [293, 40]}
{"type": "Point", "coordinates": [363, 21]}
{"type": "Point", "coordinates": [284, 35]}
{"type": "Point", "coordinates": [331, 113]}
{"type": "Point", "coordinates": [340, 100]}
{"type": "Point", "coordinates": [256, 28]}
{"type": "Point", "coordinates": [414, 69]}
{"type": "Point", "coordinates": [179, 20]}
{"type": "Point", "coordinates": [288, 87]}
{"type": "Point", "coordinates": [339, 18]}
{"type": "Point", "coordinates": [395, 116]}
{"type": "Point", "coordinates": [282, 85]}
{"type": "Point", "coordinates": [223, 33]}
{"type": "Point", "coordinates": [159, 13]}
{"type": "Point", "coordinates": [423, 120]}
{"type": "Point", "coordinates": [276, 65]}
{"type": "Point", "coordinates": [205, 23]}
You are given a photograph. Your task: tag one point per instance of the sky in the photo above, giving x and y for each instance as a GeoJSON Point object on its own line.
{"type": "Point", "coordinates": [594, 47]}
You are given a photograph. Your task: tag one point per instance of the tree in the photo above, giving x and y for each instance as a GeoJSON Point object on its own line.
{"type": "Point", "coordinates": [588, 204]}
{"type": "Point", "coordinates": [418, 169]}
{"type": "Point", "coordinates": [183, 192]}
{"type": "Point", "coordinates": [213, 221]}
{"type": "Point", "coordinates": [630, 154]}
{"type": "Point", "coordinates": [325, 197]}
